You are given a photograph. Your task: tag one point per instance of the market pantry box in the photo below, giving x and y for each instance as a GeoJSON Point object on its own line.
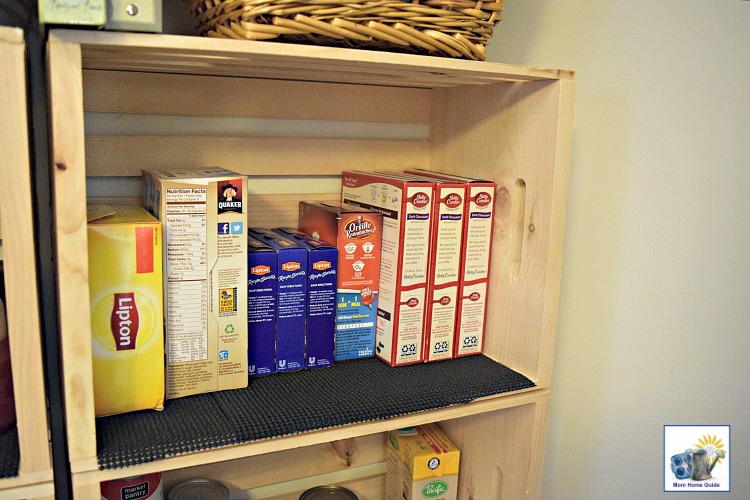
{"type": "Point", "coordinates": [204, 213]}
{"type": "Point", "coordinates": [406, 206]}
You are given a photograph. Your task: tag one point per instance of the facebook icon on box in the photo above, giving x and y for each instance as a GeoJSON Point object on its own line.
{"type": "Point", "coordinates": [224, 228]}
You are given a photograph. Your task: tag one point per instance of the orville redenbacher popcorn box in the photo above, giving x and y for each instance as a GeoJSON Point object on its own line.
{"type": "Point", "coordinates": [406, 206]}
{"type": "Point", "coordinates": [422, 463]}
{"type": "Point", "coordinates": [204, 213]}
{"type": "Point", "coordinates": [475, 260]}
{"type": "Point", "coordinates": [125, 290]}
{"type": "Point", "coordinates": [356, 233]}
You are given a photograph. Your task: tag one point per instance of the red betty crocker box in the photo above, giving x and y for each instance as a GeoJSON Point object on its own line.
{"type": "Point", "coordinates": [475, 260]}
{"type": "Point", "coordinates": [406, 206]}
{"type": "Point", "coordinates": [357, 235]}
{"type": "Point", "coordinates": [445, 266]}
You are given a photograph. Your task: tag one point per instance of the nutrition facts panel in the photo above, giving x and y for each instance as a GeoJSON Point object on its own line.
{"type": "Point", "coordinates": [187, 289]}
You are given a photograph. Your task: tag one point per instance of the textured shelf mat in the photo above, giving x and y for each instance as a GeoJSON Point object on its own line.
{"type": "Point", "coordinates": [291, 403]}
{"type": "Point", "coordinates": [9, 455]}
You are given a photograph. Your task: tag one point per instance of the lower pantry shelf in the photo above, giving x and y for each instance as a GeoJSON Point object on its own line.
{"type": "Point", "coordinates": [275, 406]}
{"type": "Point", "coordinates": [9, 453]}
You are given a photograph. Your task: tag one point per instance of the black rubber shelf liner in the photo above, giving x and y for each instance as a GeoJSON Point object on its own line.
{"type": "Point", "coordinates": [291, 403]}
{"type": "Point", "coordinates": [9, 454]}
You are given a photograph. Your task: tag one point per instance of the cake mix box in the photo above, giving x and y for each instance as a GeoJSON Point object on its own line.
{"type": "Point", "coordinates": [356, 233]}
{"type": "Point", "coordinates": [262, 289]}
{"type": "Point", "coordinates": [421, 463]}
{"type": "Point", "coordinates": [291, 299]}
{"type": "Point", "coordinates": [204, 213]}
{"type": "Point", "coordinates": [475, 259]}
{"type": "Point", "coordinates": [406, 206]}
{"type": "Point", "coordinates": [445, 267]}
{"type": "Point", "coordinates": [125, 287]}
{"type": "Point", "coordinates": [322, 278]}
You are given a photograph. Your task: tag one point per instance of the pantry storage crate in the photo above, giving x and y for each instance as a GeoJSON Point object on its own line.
{"type": "Point", "coordinates": [452, 28]}
{"type": "Point", "coordinates": [339, 108]}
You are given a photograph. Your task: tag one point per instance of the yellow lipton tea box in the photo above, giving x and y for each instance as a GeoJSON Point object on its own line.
{"type": "Point", "coordinates": [422, 463]}
{"type": "Point", "coordinates": [125, 288]}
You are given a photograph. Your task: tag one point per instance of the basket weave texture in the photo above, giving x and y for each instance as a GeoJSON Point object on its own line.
{"type": "Point", "coordinates": [450, 28]}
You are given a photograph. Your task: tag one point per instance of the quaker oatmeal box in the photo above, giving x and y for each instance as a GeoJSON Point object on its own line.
{"type": "Point", "coordinates": [204, 213]}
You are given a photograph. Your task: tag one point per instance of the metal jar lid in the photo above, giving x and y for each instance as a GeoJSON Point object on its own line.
{"type": "Point", "coordinates": [199, 489]}
{"type": "Point", "coordinates": [328, 493]}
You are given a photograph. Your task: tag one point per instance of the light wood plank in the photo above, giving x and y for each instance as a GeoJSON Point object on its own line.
{"type": "Point", "coordinates": [69, 183]}
{"type": "Point", "coordinates": [193, 55]}
{"type": "Point", "coordinates": [190, 95]}
{"type": "Point", "coordinates": [250, 155]}
{"type": "Point", "coordinates": [22, 308]}
{"type": "Point", "coordinates": [501, 452]}
{"type": "Point", "coordinates": [515, 131]}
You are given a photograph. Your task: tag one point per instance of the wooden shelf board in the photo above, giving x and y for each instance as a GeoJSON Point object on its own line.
{"type": "Point", "coordinates": [207, 56]}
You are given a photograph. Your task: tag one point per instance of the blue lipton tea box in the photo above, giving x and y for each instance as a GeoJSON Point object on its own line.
{"type": "Point", "coordinates": [262, 287]}
{"type": "Point", "coordinates": [291, 299]}
{"type": "Point", "coordinates": [322, 270]}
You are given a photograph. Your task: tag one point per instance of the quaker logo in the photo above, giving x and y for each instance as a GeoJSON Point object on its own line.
{"type": "Point", "coordinates": [124, 321]}
{"type": "Point", "coordinates": [453, 200]}
{"type": "Point", "coordinates": [445, 300]}
{"type": "Point", "coordinates": [260, 270]}
{"type": "Point", "coordinates": [321, 265]}
{"type": "Point", "coordinates": [359, 229]}
{"type": "Point", "coordinates": [420, 200]}
{"type": "Point", "coordinates": [412, 302]}
{"type": "Point", "coordinates": [474, 296]}
{"type": "Point", "coordinates": [483, 199]}
{"type": "Point", "coordinates": [291, 266]}
{"type": "Point", "coordinates": [230, 196]}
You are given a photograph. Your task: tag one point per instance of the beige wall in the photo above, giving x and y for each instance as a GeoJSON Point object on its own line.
{"type": "Point", "coordinates": [654, 322]}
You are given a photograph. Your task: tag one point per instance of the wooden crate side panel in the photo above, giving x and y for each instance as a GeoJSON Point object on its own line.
{"type": "Point", "coordinates": [16, 219]}
{"type": "Point", "coordinates": [502, 452]}
{"type": "Point", "coordinates": [510, 134]}
{"type": "Point", "coordinates": [69, 184]}
{"type": "Point", "coordinates": [213, 96]}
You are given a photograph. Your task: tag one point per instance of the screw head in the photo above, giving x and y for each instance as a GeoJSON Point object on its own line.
{"type": "Point", "coordinates": [132, 9]}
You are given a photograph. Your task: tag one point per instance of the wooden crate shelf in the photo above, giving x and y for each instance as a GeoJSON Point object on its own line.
{"type": "Point", "coordinates": [508, 123]}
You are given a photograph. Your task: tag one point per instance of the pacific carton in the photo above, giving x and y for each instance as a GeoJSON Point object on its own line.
{"type": "Point", "coordinates": [204, 213]}
{"type": "Point", "coordinates": [291, 299]}
{"type": "Point", "coordinates": [422, 463]}
{"type": "Point", "coordinates": [125, 287]}
{"type": "Point", "coordinates": [406, 206]}
{"type": "Point", "coordinates": [322, 278]}
{"type": "Point", "coordinates": [356, 233]}
{"type": "Point", "coordinates": [262, 289]}
{"type": "Point", "coordinates": [475, 261]}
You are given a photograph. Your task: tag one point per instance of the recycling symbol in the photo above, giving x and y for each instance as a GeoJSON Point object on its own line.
{"type": "Point", "coordinates": [229, 329]}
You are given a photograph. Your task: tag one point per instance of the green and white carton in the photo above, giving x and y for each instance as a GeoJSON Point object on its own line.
{"type": "Point", "coordinates": [422, 464]}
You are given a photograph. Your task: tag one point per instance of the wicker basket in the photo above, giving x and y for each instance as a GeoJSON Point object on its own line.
{"type": "Point", "coordinates": [453, 28]}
